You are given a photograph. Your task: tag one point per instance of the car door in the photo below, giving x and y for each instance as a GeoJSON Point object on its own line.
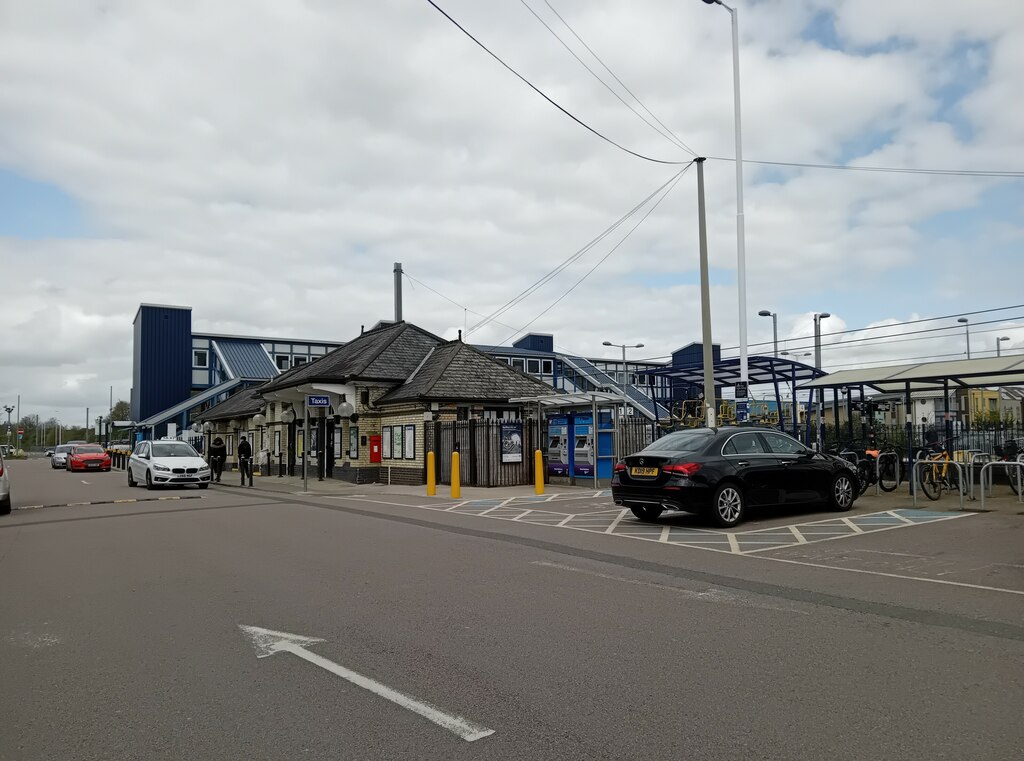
{"type": "Point", "coordinates": [804, 474]}
{"type": "Point", "coordinates": [756, 467]}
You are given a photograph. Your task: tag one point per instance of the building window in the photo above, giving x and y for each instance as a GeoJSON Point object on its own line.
{"type": "Point", "coordinates": [533, 365]}
{"type": "Point", "coordinates": [200, 358]}
{"type": "Point", "coordinates": [296, 361]}
{"type": "Point", "coordinates": [549, 367]}
{"type": "Point", "coordinates": [518, 363]}
{"type": "Point", "coordinates": [282, 361]}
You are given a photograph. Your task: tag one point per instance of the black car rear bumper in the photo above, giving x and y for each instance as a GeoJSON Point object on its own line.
{"type": "Point", "coordinates": [692, 497]}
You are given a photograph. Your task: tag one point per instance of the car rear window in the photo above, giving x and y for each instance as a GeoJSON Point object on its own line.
{"type": "Point", "coordinates": [681, 441]}
{"type": "Point", "coordinates": [89, 450]}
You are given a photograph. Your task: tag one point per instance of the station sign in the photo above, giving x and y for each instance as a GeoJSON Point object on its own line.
{"type": "Point", "coordinates": [314, 400]}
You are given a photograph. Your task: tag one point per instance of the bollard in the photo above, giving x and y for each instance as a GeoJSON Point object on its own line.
{"type": "Point", "coordinates": [538, 472]}
{"type": "Point", "coordinates": [431, 476]}
{"type": "Point", "coordinates": [456, 477]}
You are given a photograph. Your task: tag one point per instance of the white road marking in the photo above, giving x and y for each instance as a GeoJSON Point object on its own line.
{"type": "Point", "coordinates": [734, 546]}
{"type": "Point", "coordinates": [853, 526]}
{"type": "Point", "coordinates": [800, 538]}
{"type": "Point", "coordinates": [712, 594]}
{"type": "Point", "coordinates": [665, 531]}
{"type": "Point", "coordinates": [615, 522]}
{"type": "Point", "coordinates": [85, 482]}
{"type": "Point", "coordinates": [906, 521]}
{"type": "Point", "coordinates": [872, 531]}
{"type": "Point", "coordinates": [268, 642]}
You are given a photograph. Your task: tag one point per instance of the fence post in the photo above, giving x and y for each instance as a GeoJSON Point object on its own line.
{"type": "Point", "coordinates": [538, 471]}
{"type": "Point", "coordinates": [431, 475]}
{"type": "Point", "coordinates": [456, 476]}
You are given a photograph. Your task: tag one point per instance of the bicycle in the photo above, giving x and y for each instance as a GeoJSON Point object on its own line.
{"type": "Point", "coordinates": [1008, 452]}
{"type": "Point", "coordinates": [942, 475]}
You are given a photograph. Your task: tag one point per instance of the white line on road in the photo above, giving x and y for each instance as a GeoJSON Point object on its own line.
{"type": "Point", "coordinates": [800, 538]}
{"type": "Point", "coordinates": [268, 642]}
{"type": "Point", "coordinates": [873, 530]}
{"type": "Point", "coordinates": [615, 522]}
{"type": "Point", "coordinates": [85, 482]}
{"type": "Point", "coordinates": [856, 529]}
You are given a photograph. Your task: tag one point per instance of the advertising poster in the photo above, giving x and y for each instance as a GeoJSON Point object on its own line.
{"type": "Point", "coordinates": [353, 442]}
{"type": "Point", "coordinates": [396, 442]}
{"type": "Point", "coordinates": [584, 456]}
{"type": "Point", "coordinates": [410, 442]}
{"type": "Point", "coordinates": [558, 446]}
{"type": "Point", "coordinates": [385, 442]}
{"type": "Point", "coordinates": [511, 442]}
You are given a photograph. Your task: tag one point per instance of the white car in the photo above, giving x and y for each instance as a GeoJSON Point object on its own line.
{"type": "Point", "coordinates": [167, 463]}
{"type": "Point", "coordinates": [59, 458]}
{"type": "Point", "coordinates": [5, 487]}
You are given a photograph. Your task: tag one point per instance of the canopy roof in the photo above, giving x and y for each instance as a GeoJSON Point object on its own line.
{"type": "Point", "coordinates": [761, 370]}
{"type": "Point", "coordinates": [965, 373]}
{"type": "Point", "coordinates": [580, 399]}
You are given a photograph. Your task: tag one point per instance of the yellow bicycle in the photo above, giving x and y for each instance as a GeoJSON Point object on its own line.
{"type": "Point", "coordinates": [941, 475]}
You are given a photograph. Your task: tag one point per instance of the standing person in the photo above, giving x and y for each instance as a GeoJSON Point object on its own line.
{"type": "Point", "coordinates": [245, 459]}
{"type": "Point", "coordinates": [218, 454]}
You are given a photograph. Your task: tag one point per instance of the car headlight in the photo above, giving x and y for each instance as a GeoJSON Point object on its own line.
{"type": "Point", "coordinates": [163, 468]}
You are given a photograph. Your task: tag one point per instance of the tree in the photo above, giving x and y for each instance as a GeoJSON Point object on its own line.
{"type": "Point", "coordinates": [121, 411]}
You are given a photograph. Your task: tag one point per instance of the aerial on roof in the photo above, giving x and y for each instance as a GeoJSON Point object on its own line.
{"type": "Point", "coordinates": [456, 371]}
{"type": "Point", "coordinates": [246, 402]}
{"type": "Point", "coordinates": [388, 353]}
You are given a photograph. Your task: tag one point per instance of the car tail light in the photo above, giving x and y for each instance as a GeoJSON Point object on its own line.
{"type": "Point", "coordinates": [620, 467]}
{"type": "Point", "coordinates": [684, 469]}
{"type": "Point", "coordinates": [1, 469]}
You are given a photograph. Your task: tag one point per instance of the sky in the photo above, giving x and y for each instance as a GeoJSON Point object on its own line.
{"type": "Point", "coordinates": [266, 163]}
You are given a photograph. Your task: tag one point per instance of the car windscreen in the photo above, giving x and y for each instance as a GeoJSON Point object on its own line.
{"type": "Point", "coordinates": [62, 449]}
{"type": "Point", "coordinates": [88, 450]}
{"type": "Point", "coordinates": [681, 441]}
{"type": "Point", "coordinates": [173, 449]}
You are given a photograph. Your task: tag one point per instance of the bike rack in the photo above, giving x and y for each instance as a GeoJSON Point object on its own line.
{"type": "Point", "coordinates": [1006, 464]}
{"type": "Point", "coordinates": [844, 455]}
{"type": "Point", "coordinates": [974, 456]}
{"type": "Point", "coordinates": [960, 481]}
{"type": "Point", "coordinates": [878, 470]}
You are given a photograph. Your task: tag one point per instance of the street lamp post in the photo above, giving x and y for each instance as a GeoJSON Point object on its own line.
{"type": "Point", "coordinates": [967, 330]}
{"type": "Point", "coordinates": [775, 329]}
{"type": "Point", "coordinates": [741, 246]}
{"type": "Point", "coordinates": [999, 342]}
{"type": "Point", "coordinates": [818, 317]}
{"type": "Point", "coordinates": [625, 367]}
{"type": "Point", "coordinates": [8, 408]}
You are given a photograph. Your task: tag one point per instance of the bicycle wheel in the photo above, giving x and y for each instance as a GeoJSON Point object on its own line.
{"type": "Point", "coordinates": [865, 475]}
{"type": "Point", "coordinates": [930, 483]}
{"type": "Point", "coordinates": [888, 478]}
{"type": "Point", "coordinates": [1015, 479]}
{"type": "Point", "coordinates": [952, 479]}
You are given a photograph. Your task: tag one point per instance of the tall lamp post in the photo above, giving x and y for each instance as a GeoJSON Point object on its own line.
{"type": "Point", "coordinates": [999, 341]}
{"type": "Point", "coordinates": [967, 331]}
{"type": "Point", "coordinates": [8, 408]}
{"type": "Point", "coordinates": [818, 317]}
{"type": "Point", "coordinates": [741, 246]}
{"type": "Point", "coordinates": [625, 368]}
{"type": "Point", "coordinates": [775, 329]}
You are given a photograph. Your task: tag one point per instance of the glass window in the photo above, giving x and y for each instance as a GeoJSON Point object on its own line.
{"type": "Point", "coordinates": [533, 365]}
{"type": "Point", "coordinates": [779, 443]}
{"type": "Point", "coordinates": [318, 350]}
{"type": "Point", "coordinates": [173, 449]}
{"type": "Point", "coordinates": [681, 441]}
{"type": "Point", "coordinates": [744, 443]}
{"type": "Point", "coordinates": [296, 349]}
{"type": "Point", "coordinates": [200, 343]}
{"type": "Point", "coordinates": [518, 363]}
{"type": "Point", "coordinates": [501, 359]}
{"type": "Point", "coordinates": [296, 361]}
{"type": "Point", "coordinates": [548, 367]}
{"type": "Point", "coordinates": [282, 347]}
{"type": "Point", "coordinates": [283, 361]}
{"type": "Point", "coordinates": [200, 358]}
{"type": "Point", "coordinates": [89, 449]}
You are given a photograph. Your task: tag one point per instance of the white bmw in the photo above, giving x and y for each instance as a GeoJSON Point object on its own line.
{"type": "Point", "coordinates": [166, 463]}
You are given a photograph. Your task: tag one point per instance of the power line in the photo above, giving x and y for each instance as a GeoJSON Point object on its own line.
{"type": "Point", "coordinates": [522, 295]}
{"type": "Point", "coordinates": [667, 133]}
{"type": "Point", "coordinates": [548, 99]}
{"type": "Point", "coordinates": [883, 169]}
{"type": "Point", "coordinates": [603, 258]}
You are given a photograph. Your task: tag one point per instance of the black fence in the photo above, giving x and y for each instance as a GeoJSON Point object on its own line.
{"type": "Point", "coordinates": [491, 452]}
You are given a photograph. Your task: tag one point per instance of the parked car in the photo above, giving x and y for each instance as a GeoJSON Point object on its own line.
{"type": "Point", "coordinates": [59, 458]}
{"type": "Point", "coordinates": [5, 450]}
{"type": "Point", "coordinates": [88, 457]}
{"type": "Point", "coordinates": [721, 472]}
{"type": "Point", "coordinates": [5, 487]}
{"type": "Point", "coordinates": [164, 463]}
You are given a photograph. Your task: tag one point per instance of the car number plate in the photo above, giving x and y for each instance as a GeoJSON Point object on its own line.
{"type": "Point", "coordinates": [94, 464]}
{"type": "Point", "coordinates": [643, 472]}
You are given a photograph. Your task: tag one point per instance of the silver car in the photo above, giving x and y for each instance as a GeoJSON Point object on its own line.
{"type": "Point", "coordinates": [59, 458]}
{"type": "Point", "coordinates": [5, 487]}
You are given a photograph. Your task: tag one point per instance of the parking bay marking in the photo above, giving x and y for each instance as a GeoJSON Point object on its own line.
{"type": "Point", "coordinates": [267, 642]}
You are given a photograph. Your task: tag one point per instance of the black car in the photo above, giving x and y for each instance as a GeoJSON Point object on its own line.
{"type": "Point", "coordinates": [720, 472]}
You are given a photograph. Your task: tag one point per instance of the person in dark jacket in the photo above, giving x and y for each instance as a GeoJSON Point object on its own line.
{"type": "Point", "coordinates": [218, 454]}
{"type": "Point", "coordinates": [245, 459]}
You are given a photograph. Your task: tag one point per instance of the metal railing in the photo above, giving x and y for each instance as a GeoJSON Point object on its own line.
{"type": "Point", "coordinates": [915, 482]}
{"type": "Point", "coordinates": [1018, 465]}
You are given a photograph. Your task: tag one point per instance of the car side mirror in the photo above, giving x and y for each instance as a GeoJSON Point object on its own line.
{"type": "Point", "coordinates": [49, 454]}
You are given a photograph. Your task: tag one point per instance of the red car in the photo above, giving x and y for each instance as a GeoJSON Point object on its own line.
{"type": "Point", "coordinates": [88, 457]}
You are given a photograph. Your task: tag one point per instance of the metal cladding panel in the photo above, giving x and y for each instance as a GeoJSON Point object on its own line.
{"type": "Point", "coordinates": [536, 342]}
{"type": "Point", "coordinates": [247, 359]}
{"type": "Point", "coordinates": [163, 358]}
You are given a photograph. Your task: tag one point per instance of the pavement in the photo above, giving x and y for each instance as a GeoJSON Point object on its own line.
{"type": "Point", "coordinates": [484, 628]}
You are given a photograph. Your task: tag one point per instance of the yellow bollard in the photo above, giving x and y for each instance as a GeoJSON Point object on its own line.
{"type": "Point", "coordinates": [538, 471]}
{"type": "Point", "coordinates": [431, 475]}
{"type": "Point", "coordinates": [456, 476]}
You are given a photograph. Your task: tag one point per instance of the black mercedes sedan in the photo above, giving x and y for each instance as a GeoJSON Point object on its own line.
{"type": "Point", "coordinates": [721, 472]}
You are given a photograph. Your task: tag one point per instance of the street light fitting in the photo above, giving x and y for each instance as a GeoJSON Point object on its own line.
{"type": "Point", "coordinates": [823, 315]}
{"type": "Point", "coordinates": [963, 320]}
{"type": "Point", "coordinates": [764, 313]}
{"type": "Point", "coordinates": [607, 343]}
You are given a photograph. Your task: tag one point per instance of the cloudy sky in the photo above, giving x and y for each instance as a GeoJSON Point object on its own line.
{"type": "Point", "coordinates": [267, 162]}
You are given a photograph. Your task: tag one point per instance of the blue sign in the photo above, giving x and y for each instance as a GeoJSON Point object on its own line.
{"type": "Point", "coordinates": [318, 401]}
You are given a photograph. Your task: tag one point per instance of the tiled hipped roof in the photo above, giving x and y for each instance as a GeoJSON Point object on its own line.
{"type": "Point", "coordinates": [243, 404]}
{"type": "Point", "coordinates": [457, 372]}
{"type": "Point", "coordinates": [389, 353]}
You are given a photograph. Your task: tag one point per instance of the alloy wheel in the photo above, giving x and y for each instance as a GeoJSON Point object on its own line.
{"type": "Point", "coordinates": [843, 492]}
{"type": "Point", "coordinates": [729, 504]}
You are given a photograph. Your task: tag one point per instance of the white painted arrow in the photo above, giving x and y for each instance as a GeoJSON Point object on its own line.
{"type": "Point", "coordinates": [266, 642]}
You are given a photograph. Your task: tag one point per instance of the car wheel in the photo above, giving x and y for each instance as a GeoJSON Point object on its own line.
{"type": "Point", "coordinates": [5, 505]}
{"type": "Point", "coordinates": [842, 493]}
{"type": "Point", "coordinates": [131, 479]}
{"type": "Point", "coordinates": [647, 512]}
{"type": "Point", "coordinates": [728, 507]}
{"type": "Point", "coordinates": [204, 486]}
{"type": "Point", "coordinates": [149, 481]}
